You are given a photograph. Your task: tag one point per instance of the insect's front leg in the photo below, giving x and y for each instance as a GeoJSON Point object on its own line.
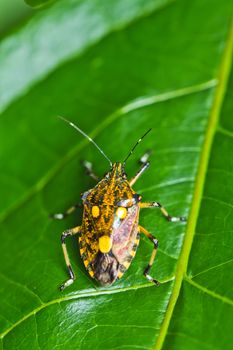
{"type": "Point", "coordinates": [89, 170]}
{"type": "Point", "coordinates": [65, 234]}
{"type": "Point", "coordinates": [152, 258]}
{"type": "Point", "coordinates": [163, 210]}
{"type": "Point", "coordinates": [145, 165]}
{"type": "Point", "coordinates": [61, 216]}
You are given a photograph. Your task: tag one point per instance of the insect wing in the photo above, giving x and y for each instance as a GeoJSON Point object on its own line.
{"type": "Point", "coordinates": [125, 236]}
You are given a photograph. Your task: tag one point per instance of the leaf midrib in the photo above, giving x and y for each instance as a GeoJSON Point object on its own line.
{"type": "Point", "coordinates": [212, 127]}
{"type": "Point", "coordinates": [138, 103]}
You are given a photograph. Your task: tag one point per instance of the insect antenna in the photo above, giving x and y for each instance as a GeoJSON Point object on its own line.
{"type": "Point", "coordinates": [88, 137]}
{"type": "Point", "coordinates": [136, 146]}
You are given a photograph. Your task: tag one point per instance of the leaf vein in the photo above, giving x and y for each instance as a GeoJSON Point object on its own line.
{"type": "Point", "coordinates": [79, 296]}
{"type": "Point", "coordinates": [224, 131]}
{"type": "Point", "coordinates": [210, 268]}
{"type": "Point", "coordinates": [218, 201]}
{"type": "Point", "coordinates": [208, 291]}
{"type": "Point", "coordinates": [22, 286]}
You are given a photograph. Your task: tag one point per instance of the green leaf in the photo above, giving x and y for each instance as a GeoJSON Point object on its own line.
{"type": "Point", "coordinates": [116, 69]}
{"type": "Point", "coordinates": [39, 3]}
{"type": "Point", "coordinates": [208, 277]}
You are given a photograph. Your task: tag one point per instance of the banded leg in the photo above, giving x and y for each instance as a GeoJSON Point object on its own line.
{"type": "Point", "coordinates": [145, 165]}
{"type": "Point", "coordinates": [89, 171]}
{"type": "Point", "coordinates": [65, 234]}
{"type": "Point", "coordinates": [61, 216]}
{"type": "Point", "coordinates": [163, 210]}
{"type": "Point", "coordinates": [152, 258]}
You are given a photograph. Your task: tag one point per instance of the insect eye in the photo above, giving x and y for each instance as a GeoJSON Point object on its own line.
{"type": "Point", "coordinates": [95, 211]}
{"type": "Point", "coordinates": [121, 212]}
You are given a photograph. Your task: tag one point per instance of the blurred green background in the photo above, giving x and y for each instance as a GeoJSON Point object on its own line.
{"type": "Point", "coordinates": [13, 13]}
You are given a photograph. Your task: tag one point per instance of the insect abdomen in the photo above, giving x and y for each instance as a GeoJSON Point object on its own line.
{"type": "Point", "coordinates": [105, 268]}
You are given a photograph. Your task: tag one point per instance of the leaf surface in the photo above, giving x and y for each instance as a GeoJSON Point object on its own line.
{"type": "Point", "coordinates": [208, 279]}
{"type": "Point", "coordinates": [39, 3]}
{"type": "Point", "coordinates": [116, 69]}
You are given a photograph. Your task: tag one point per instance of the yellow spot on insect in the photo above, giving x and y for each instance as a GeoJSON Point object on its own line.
{"type": "Point", "coordinates": [121, 212]}
{"type": "Point", "coordinates": [81, 251]}
{"type": "Point", "coordinates": [133, 253]}
{"type": "Point", "coordinates": [95, 211]}
{"type": "Point", "coordinates": [91, 273]}
{"type": "Point", "coordinates": [85, 262]}
{"type": "Point", "coordinates": [126, 264]}
{"type": "Point", "coordinates": [105, 244]}
{"type": "Point", "coordinates": [120, 274]}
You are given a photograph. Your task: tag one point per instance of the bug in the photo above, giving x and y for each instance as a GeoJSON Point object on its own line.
{"type": "Point", "coordinates": [110, 231]}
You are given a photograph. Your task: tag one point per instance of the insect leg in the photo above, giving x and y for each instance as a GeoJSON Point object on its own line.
{"type": "Point", "coordinates": [65, 234]}
{"type": "Point", "coordinates": [89, 171]}
{"type": "Point", "coordinates": [145, 165]}
{"type": "Point", "coordinates": [61, 216]}
{"type": "Point", "coordinates": [145, 157]}
{"type": "Point", "coordinates": [152, 258]}
{"type": "Point", "coordinates": [139, 173]}
{"type": "Point", "coordinates": [163, 210]}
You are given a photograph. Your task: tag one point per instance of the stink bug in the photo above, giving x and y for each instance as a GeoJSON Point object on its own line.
{"type": "Point", "coordinates": [110, 232]}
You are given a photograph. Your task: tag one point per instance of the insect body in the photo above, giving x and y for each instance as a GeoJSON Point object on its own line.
{"type": "Point", "coordinates": [110, 232]}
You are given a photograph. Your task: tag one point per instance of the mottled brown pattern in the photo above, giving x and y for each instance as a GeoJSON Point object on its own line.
{"type": "Point", "coordinates": [107, 194]}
